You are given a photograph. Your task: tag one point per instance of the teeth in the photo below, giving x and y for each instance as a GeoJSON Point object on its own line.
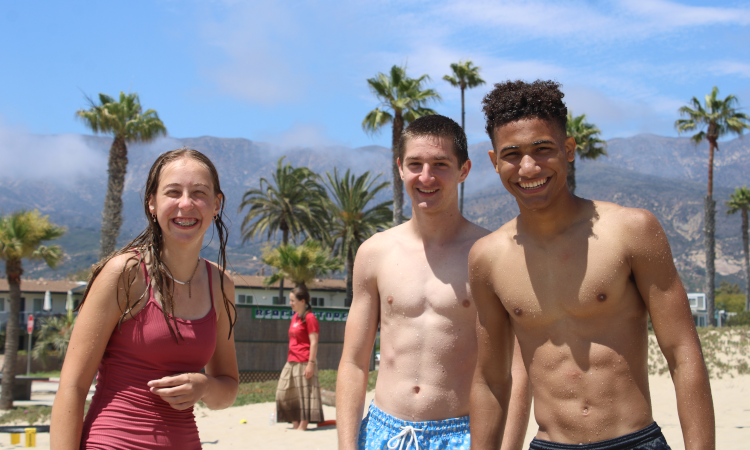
{"type": "Point", "coordinates": [427, 191]}
{"type": "Point", "coordinates": [533, 184]}
{"type": "Point", "coordinates": [186, 223]}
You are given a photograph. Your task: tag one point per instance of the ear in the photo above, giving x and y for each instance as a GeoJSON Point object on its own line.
{"type": "Point", "coordinates": [465, 171]}
{"type": "Point", "coordinates": [151, 205]}
{"type": "Point", "coordinates": [570, 149]}
{"type": "Point", "coordinates": [493, 158]}
{"type": "Point", "coordinates": [400, 169]}
{"type": "Point", "coordinates": [217, 205]}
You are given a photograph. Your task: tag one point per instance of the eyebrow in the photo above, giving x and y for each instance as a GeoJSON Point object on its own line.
{"type": "Point", "coordinates": [179, 185]}
{"type": "Point", "coordinates": [516, 147]}
{"type": "Point", "coordinates": [437, 158]}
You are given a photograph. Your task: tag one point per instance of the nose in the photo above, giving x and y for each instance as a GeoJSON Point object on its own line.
{"type": "Point", "coordinates": [528, 167]}
{"type": "Point", "coordinates": [426, 176]}
{"type": "Point", "coordinates": [185, 201]}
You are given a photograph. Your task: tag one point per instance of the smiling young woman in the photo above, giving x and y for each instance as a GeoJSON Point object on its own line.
{"type": "Point", "coordinates": [154, 315]}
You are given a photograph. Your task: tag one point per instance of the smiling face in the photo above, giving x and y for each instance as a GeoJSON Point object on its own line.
{"type": "Point", "coordinates": [431, 173]}
{"type": "Point", "coordinates": [531, 156]}
{"type": "Point", "coordinates": [184, 202]}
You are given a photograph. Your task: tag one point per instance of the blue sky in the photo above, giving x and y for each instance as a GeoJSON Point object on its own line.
{"type": "Point", "coordinates": [293, 73]}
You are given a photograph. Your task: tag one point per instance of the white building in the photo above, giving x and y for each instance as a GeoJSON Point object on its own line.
{"type": "Point", "coordinates": [698, 308]}
{"type": "Point", "coordinates": [249, 290]}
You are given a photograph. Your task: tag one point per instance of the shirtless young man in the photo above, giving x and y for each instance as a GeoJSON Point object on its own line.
{"type": "Point", "coordinates": [578, 280]}
{"type": "Point", "coordinates": [412, 280]}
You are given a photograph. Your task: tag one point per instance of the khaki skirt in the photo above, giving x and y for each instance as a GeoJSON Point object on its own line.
{"type": "Point", "coordinates": [298, 398]}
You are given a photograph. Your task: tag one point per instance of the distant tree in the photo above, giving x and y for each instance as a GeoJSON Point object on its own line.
{"type": "Point", "coordinates": [125, 120]}
{"type": "Point", "coordinates": [54, 334]}
{"type": "Point", "coordinates": [351, 222]}
{"type": "Point", "coordinates": [293, 204]}
{"type": "Point", "coordinates": [21, 237]}
{"type": "Point", "coordinates": [465, 76]}
{"type": "Point", "coordinates": [739, 201]}
{"type": "Point", "coordinates": [588, 144]}
{"type": "Point", "coordinates": [403, 100]}
{"type": "Point", "coordinates": [719, 118]}
{"type": "Point", "coordinates": [301, 264]}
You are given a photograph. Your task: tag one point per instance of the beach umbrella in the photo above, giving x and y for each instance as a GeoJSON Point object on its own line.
{"type": "Point", "coordinates": [69, 302]}
{"type": "Point", "coordinates": [47, 301]}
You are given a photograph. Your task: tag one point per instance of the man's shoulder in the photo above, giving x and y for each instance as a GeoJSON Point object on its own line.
{"type": "Point", "coordinates": [492, 242]}
{"type": "Point", "coordinates": [624, 218]}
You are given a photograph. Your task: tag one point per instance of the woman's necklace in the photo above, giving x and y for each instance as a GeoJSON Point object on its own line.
{"type": "Point", "coordinates": [183, 283]}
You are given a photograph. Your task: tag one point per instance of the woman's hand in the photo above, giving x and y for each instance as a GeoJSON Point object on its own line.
{"type": "Point", "coordinates": [309, 370]}
{"type": "Point", "coordinates": [180, 391]}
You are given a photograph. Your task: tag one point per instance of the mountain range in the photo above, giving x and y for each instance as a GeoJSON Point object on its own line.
{"type": "Point", "coordinates": [664, 175]}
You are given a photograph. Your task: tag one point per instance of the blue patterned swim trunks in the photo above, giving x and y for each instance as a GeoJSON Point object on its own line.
{"type": "Point", "coordinates": [381, 431]}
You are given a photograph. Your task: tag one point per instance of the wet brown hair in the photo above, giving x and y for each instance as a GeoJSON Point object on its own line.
{"type": "Point", "coordinates": [512, 101]}
{"type": "Point", "coordinates": [436, 126]}
{"type": "Point", "coordinates": [150, 241]}
{"type": "Point", "coordinates": [301, 293]}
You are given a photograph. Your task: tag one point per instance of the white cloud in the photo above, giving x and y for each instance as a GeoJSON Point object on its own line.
{"type": "Point", "coordinates": [730, 68]}
{"type": "Point", "coordinates": [599, 21]}
{"type": "Point", "coordinates": [301, 135]}
{"type": "Point", "coordinates": [249, 54]}
{"type": "Point", "coordinates": [58, 158]}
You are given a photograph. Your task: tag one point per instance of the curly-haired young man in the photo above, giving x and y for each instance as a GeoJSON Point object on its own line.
{"type": "Point", "coordinates": [577, 279]}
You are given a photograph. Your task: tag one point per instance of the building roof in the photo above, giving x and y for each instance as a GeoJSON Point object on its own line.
{"type": "Point", "coordinates": [41, 286]}
{"type": "Point", "coordinates": [256, 281]}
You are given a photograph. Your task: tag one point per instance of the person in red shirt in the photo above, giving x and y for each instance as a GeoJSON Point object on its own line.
{"type": "Point", "coordinates": [298, 394]}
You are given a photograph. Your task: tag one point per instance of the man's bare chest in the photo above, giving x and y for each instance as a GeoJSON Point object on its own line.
{"type": "Point", "coordinates": [540, 285]}
{"type": "Point", "coordinates": [411, 284]}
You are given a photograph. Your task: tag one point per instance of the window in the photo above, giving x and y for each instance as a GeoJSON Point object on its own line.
{"type": "Point", "coordinates": [317, 301]}
{"type": "Point", "coordinates": [243, 299]}
{"type": "Point", "coordinates": [275, 300]}
{"type": "Point", "coordinates": [38, 304]}
{"type": "Point", "coordinates": [2, 304]}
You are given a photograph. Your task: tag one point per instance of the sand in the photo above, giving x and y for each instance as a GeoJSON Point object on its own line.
{"type": "Point", "coordinates": [223, 430]}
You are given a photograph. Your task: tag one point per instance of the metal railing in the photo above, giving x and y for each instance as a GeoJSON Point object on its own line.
{"type": "Point", "coordinates": [23, 317]}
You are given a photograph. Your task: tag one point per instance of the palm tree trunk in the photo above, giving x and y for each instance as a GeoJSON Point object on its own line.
{"type": "Point", "coordinates": [746, 248]}
{"type": "Point", "coordinates": [14, 270]}
{"type": "Point", "coordinates": [285, 241]}
{"type": "Point", "coordinates": [710, 212]}
{"type": "Point", "coordinates": [463, 127]}
{"type": "Point", "coordinates": [112, 212]}
{"type": "Point", "coordinates": [572, 176]}
{"type": "Point", "coordinates": [710, 230]}
{"type": "Point", "coordinates": [349, 277]}
{"type": "Point", "coordinates": [398, 183]}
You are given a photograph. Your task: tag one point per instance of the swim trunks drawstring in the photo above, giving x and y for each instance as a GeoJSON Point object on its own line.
{"type": "Point", "coordinates": [400, 438]}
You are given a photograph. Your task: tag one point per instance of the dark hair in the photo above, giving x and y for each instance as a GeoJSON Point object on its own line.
{"type": "Point", "coordinates": [436, 126]}
{"type": "Point", "coordinates": [302, 294]}
{"type": "Point", "coordinates": [515, 100]}
{"type": "Point", "coordinates": [149, 243]}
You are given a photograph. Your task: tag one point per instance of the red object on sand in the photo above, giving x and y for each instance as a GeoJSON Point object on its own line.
{"type": "Point", "coordinates": [327, 423]}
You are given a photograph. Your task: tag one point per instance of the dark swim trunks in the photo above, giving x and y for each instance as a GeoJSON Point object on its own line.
{"type": "Point", "coordinates": [649, 438]}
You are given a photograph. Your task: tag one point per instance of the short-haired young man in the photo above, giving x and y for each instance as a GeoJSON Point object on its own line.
{"type": "Point", "coordinates": [412, 280]}
{"type": "Point", "coordinates": [577, 279]}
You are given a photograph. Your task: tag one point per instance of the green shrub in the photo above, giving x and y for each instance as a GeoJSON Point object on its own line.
{"type": "Point", "coordinates": [742, 318]}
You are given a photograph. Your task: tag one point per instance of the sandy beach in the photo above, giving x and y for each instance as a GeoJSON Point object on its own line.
{"type": "Point", "coordinates": [222, 429]}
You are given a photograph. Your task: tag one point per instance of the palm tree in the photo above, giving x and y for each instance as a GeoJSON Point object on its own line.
{"type": "Point", "coordinates": [402, 100]}
{"type": "Point", "coordinates": [125, 120]}
{"type": "Point", "coordinates": [301, 264]}
{"type": "Point", "coordinates": [351, 223]}
{"type": "Point", "coordinates": [55, 333]}
{"type": "Point", "coordinates": [293, 204]}
{"type": "Point", "coordinates": [465, 76]}
{"type": "Point", "coordinates": [588, 144]}
{"type": "Point", "coordinates": [21, 237]}
{"type": "Point", "coordinates": [719, 117]}
{"type": "Point", "coordinates": [740, 201]}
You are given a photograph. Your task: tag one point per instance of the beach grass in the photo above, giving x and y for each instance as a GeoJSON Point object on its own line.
{"type": "Point", "coordinates": [726, 352]}
{"type": "Point", "coordinates": [265, 391]}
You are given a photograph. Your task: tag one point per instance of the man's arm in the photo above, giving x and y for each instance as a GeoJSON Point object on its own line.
{"type": "Point", "coordinates": [662, 291]}
{"type": "Point", "coordinates": [491, 387]}
{"type": "Point", "coordinates": [361, 328]}
{"type": "Point", "coordinates": [519, 408]}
